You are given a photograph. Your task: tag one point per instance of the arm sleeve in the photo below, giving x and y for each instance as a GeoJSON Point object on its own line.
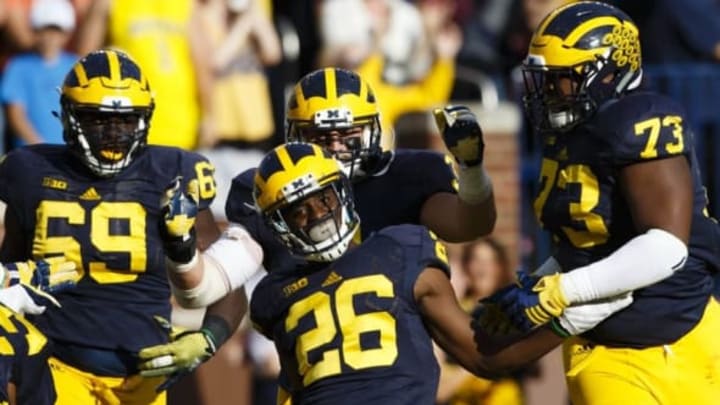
{"type": "Point", "coordinates": [642, 261]}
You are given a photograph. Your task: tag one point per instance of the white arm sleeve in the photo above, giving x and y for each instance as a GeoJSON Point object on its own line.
{"type": "Point", "coordinates": [474, 184]}
{"type": "Point", "coordinates": [228, 263]}
{"type": "Point", "coordinates": [642, 261]}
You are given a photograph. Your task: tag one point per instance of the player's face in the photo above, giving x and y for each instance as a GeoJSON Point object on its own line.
{"type": "Point", "coordinates": [316, 215]}
{"type": "Point", "coordinates": [339, 142]}
{"type": "Point", "coordinates": [110, 135]}
{"type": "Point", "coordinates": [561, 85]}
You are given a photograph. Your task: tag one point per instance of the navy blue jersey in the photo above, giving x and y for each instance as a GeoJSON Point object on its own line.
{"type": "Point", "coordinates": [581, 204]}
{"type": "Point", "coordinates": [350, 332]}
{"type": "Point", "coordinates": [394, 195]}
{"type": "Point", "coordinates": [110, 228]}
{"type": "Point", "coordinates": [24, 352]}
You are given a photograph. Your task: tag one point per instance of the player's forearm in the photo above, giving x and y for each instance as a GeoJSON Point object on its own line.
{"type": "Point", "coordinates": [477, 219]}
{"type": "Point", "coordinates": [223, 267]}
{"type": "Point", "coordinates": [476, 202]}
{"type": "Point", "coordinates": [499, 359]}
{"type": "Point", "coordinates": [223, 317]}
{"type": "Point", "coordinates": [642, 261]}
{"type": "Point", "coordinates": [91, 33]}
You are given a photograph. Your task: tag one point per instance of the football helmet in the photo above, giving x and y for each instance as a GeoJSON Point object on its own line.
{"type": "Point", "coordinates": [285, 178]}
{"type": "Point", "coordinates": [106, 105]}
{"type": "Point", "coordinates": [581, 55]}
{"type": "Point", "coordinates": [334, 99]}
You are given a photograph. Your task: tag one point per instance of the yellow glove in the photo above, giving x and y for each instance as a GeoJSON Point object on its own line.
{"type": "Point", "coordinates": [532, 302]}
{"type": "Point", "coordinates": [551, 300]}
{"type": "Point", "coordinates": [184, 354]}
{"type": "Point", "coordinates": [42, 277]}
{"type": "Point", "coordinates": [186, 350]}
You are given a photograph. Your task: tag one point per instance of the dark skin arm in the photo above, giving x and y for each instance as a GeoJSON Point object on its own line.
{"type": "Point", "coordinates": [454, 220]}
{"type": "Point", "coordinates": [660, 195]}
{"type": "Point", "coordinates": [452, 330]}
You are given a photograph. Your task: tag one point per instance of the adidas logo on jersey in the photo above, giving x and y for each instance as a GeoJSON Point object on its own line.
{"type": "Point", "coordinates": [90, 194]}
{"type": "Point", "coordinates": [332, 279]}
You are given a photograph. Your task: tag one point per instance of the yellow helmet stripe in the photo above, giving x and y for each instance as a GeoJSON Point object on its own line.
{"type": "Point", "coordinates": [114, 65]}
{"type": "Point", "coordinates": [81, 74]}
{"type": "Point", "coordinates": [587, 26]}
{"type": "Point", "coordinates": [330, 85]}
{"type": "Point", "coordinates": [285, 160]}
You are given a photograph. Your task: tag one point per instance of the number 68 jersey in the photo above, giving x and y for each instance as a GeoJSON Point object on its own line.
{"type": "Point", "coordinates": [109, 228]}
{"type": "Point", "coordinates": [350, 331]}
{"type": "Point", "coordinates": [581, 203]}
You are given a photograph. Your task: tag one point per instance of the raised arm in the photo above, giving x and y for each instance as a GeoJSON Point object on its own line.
{"type": "Point", "coordinates": [470, 213]}
{"type": "Point", "coordinates": [93, 30]}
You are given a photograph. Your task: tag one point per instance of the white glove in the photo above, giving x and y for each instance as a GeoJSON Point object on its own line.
{"type": "Point", "coordinates": [18, 299]}
{"type": "Point", "coordinates": [579, 319]}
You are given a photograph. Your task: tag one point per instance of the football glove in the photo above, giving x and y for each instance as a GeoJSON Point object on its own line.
{"type": "Point", "coordinates": [531, 303]}
{"type": "Point", "coordinates": [490, 318]}
{"type": "Point", "coordinates": [51, 275]}
{"type": "Point", "coordinates": [183, 354]}
{"type": "Point", "coordinates": [177, 226]}
{"type": "Point", "coordinates": [461, 133]}
{"type": "Point", "coordinates": [579, 319]}
{"type": "Point", "coordinates": [27, 284]}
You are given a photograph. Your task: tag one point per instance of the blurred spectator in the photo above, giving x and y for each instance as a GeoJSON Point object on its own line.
{"type": "Point", "coordinates": [30, 81]}
{"type": "Point", "coordinates": [18, 34]}
{"type": "Point", "coordinates": [485, 267]}
{"type": "Point", "coordinates": [166, 38]}
{"type": "Point", "coordinates": [353, 29]}
{"type": "Point", "coordinates": [484, 30]}
{"type": "Point", "coordinates": [687, 31]}
{"type": "Point", "coordinates": [243, 40]}
{"type": "Point", "coordinates": [432, 89]}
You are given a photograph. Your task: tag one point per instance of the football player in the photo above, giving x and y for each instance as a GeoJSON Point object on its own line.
{"type": "Point", "coordinates": [337, 109]}
{"type": "Point", "coordinates": [96, 200]}
{"type": "Point", "coordinates": [622, 196]}
{"type": "Point", "coordinates": [355, 324]}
